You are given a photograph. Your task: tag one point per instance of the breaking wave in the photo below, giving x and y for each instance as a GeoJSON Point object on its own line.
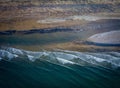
{"type": "Point", "coordinates": [64, 57]}
{"type": "Point", "coordinates": [58, 69]}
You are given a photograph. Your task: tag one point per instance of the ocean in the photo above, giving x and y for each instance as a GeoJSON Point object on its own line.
{"type": "Point", "coordinates": [58, 69]}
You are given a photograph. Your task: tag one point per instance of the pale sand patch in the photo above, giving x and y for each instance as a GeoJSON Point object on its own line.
{"type": "Point", "coordinates": [90, 17]}
{"type": "Point", "coordinates": [112, 37]}
{"type": "Point", "coordinates": [74, 18]}
{"type": "Point", "coordinates": [54, 20]}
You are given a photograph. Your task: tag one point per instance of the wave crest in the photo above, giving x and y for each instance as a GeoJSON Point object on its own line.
{"type": "Point", "coordinates": [64, 57]}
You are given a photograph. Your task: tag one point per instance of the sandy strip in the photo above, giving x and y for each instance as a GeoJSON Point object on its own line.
{"type": "Point", "coordinates": [75, 17]}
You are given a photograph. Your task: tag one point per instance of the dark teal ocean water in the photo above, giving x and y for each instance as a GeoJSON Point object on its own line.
{"type": "Point", "coordinates": [58, 69]}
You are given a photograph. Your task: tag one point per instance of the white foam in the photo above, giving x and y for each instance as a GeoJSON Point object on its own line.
{"type": "Point", "coordinates": [14, 50]}
{"type": "Point", "coordinates": [95, 58]}
{"type": "Point", "coordinates": [31, 58]}
{"type": "Point", "coordinates": [7, 54]}
{"type": "Point", "coordinates": [45, 53]}
{"type": "Point", "coordinates": [64, 61]}
{"type": "Point", "coordinates": [66, 57]}
{"type": "Point", "coordinates": [100, 59]}
{"type": "Point", "coordinates": [0, 58]}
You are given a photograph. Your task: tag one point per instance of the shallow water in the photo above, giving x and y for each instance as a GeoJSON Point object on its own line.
{"type": "Point", "coordinates": [59, 69]}
{"type": "Point", "coordinates": [41, 41]}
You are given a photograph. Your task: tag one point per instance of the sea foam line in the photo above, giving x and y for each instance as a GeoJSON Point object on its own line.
{"type": "Point", "coordinates": [64, 57]}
